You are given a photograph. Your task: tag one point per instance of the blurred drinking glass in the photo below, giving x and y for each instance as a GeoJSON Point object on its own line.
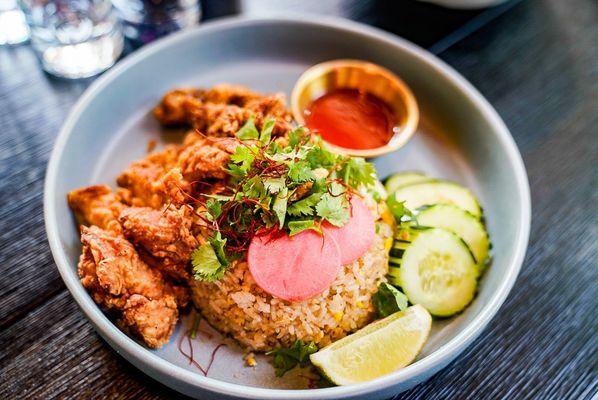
{"type": "Point", "coordinates": [74, 38]}
{"type": "Point", "coordinates": [13, 28]}
{"type": "Point", "coordinates": [146, 20]}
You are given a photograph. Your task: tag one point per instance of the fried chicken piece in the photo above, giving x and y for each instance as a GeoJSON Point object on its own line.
{"type": "Point", "coordinates": [174, 187]}
{"type": "Point", "coordinates": [270, 107]}
{"type": "Point", "coordinates": [175, 106]}
{"type": "Point", "coordinates": [143, 178]}
{"type": "Point", "coordinates": [178, 105]}
{"type": "Point", "coordinates": [120, 282]}
{"type": "Point", "coordinates": [222, 110]}
{"type": "Point", "coordinates": [230, 94]}
{"type": "Point", "coordinates": [225, 120]}
{"type": "Point", "coordinates": [207, 158]}
{"type": "Point", "coordinates": [96, 205]}
{"type": "Point", "coordinates": [165, 235]}
{"type": "Point", "coordinates": [219, 120]}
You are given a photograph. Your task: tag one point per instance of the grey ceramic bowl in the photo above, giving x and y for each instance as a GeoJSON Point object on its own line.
{"type": "Point", "coordinates": [460, 137]}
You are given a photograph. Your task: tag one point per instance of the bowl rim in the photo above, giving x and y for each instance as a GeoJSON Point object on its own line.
{"type": "Point", "coordinates": [158, 367]}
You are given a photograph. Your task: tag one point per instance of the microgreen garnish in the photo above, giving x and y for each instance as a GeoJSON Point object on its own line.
{"type": "Point", "coordinates": [290, 184]}
{"type": "Point", "coordinates": [287, 359]}
{"type": "Point", "coordinates": [389, 300]}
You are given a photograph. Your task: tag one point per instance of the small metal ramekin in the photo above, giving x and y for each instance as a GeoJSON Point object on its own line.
{"type": "Point", "coordinates": [365, 77]}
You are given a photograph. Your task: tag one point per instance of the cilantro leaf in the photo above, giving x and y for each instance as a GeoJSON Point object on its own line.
{"type": "Point", "coordinates": [295, 136]}
{"type": "Point", "coordinates": [356, 171]}
{"type": "Point", "coordinates": [248, 131]}
{"type": "Point", "coordinates": [206, 265]}
{"type": "Point", "coordinates": [218, 244]}
{"type": "Point", "coordinates": [336, 189]}
{"type": "Point", "coordinates": [299, 172]}
{"type": "Point", "coordinates": [317, 157]}
{"type": "Point", "coordinates": [244, 156]}
{"type": "Point", "coordinates": [274, 185]}
{"type": "Point", "coordinates": [296, 227]}
{"type": "Point", "coordinates": [280, 206]}
{"type": "Point", "coordinates": [266, 133]}
{"type": "Point", "coordinates": [304, 206]}
{"type": "Point", "coordinates": [214, 209]}
{"type": "Point", "coordinates": [398, 209]}
{"type": "Point", "coordinates": [389, 300]}
{"type": "Point", "coordinates": [297, 354]}
{"type": "Point", "coordinates": [333, 209]}
{"type": "Point", "coordinates": [254, 188]}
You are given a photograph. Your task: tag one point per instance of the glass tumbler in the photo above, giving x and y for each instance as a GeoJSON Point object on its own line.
{"type": "Point", "coordinates": [74, 38]}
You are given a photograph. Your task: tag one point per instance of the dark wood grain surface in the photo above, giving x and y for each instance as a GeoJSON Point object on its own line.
{"type": "Point", "coordinates": [537, 64]}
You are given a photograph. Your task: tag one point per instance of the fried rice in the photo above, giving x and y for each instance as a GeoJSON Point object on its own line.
{"type": "Point", "coordinates": [235, 305]}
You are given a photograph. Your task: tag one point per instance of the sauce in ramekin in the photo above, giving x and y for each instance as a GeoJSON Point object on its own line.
{"type": "Point", "coordinates": [351, 119]}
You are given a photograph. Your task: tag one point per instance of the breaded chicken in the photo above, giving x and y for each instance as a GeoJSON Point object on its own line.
{"type": "Point", "coordinates": [207, 158]}
{"type": "Point", "coordinates": [177, 105]}
{"type": "Point", "coordinates": [140, 237]}
{"type": "Point", "coordinates": [229, 94]}
{"type": "Point", "coordinates": [225, 119]}
{"type": "Point", "coordinates": [165, 235]}
{"type": "Point", "coordinates": [164, 178]}
{"type": "Point", "coordinates": [96, 205]}
{"type": "Point", "coordinates": [222, 110]}
{"type": "Point", "coordinates": [142, 177]}
{"type": "Point", "coordinates": [120, 282]}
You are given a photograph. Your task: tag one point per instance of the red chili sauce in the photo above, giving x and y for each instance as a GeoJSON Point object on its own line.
{"type": "Point", "coordinates": [351, 119]}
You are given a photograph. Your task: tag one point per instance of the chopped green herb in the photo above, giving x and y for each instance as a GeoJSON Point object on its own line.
{"type": "Point", "coordinates": [356, 171]}
{"type": "Point", "coordinates": [336, 189]}
{"type": "Point", "coordinates": [298, 354]}
{"type": "Point", "coordinates": [280, 206]}
{"type": "Point", "coordinates": [333, 209]}
{"type": "Point", "coordinates": [398, 209]}
{"type": "Point", "coordinates": [243, 158]}
{"type": "Point", "coordinates": [317, 156]}
{"type": "Point", "coordinates": [389, 300]}
{"type": "Point", "coordinates": [206, 265]}
{"type": "Point", "coordinates": [248, 131]}
{"type": "Point", "coordinates": [272, 186]}
{"type": "Point", "coordinates": [266, 133]}
{"type": "Point", "coordinates": [296, 227]}
{"type": "Point", "coordinates": [218, 244]}
{"type": "Point", "coordinates": [299, 171]}
{"type": "Point", "coordinates": [296, 136]}
{"type": "Point", "coordinates": [214, 209]}
{"type": "Point", "coordinates": [275, 185]}
{"type": "Point", "coordinates": [304, 206]}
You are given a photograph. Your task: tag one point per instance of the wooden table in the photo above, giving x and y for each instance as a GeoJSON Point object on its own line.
{"type": "Point", "coordinates": [537, 64]}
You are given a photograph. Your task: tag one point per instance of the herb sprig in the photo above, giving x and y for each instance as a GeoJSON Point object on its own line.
{"type": "Point", "coordinates": [388, 300]}
{"type": "Point", "coordinates": [286, 359]}
{"type": "Point", "coordinates": [290, 184]}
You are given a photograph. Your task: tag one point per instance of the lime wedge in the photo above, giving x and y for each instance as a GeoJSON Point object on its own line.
{"type": "Point", "coordinates": [378, 349]}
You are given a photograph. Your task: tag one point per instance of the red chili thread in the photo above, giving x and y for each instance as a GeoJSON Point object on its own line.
{"type": "Point", "coordinates": [190, 356]}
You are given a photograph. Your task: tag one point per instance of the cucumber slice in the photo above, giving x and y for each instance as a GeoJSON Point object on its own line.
{"type": "Point", "coordinates": [437, 271]}
{"type": "Point", "coordinates": [439, 192]}
{"type": "Point", "coordinates": [401, 179]}
{"type": "Point", "coordinates": [394, 274]}
{"type": "Point", "coordinates": [462, 224]}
